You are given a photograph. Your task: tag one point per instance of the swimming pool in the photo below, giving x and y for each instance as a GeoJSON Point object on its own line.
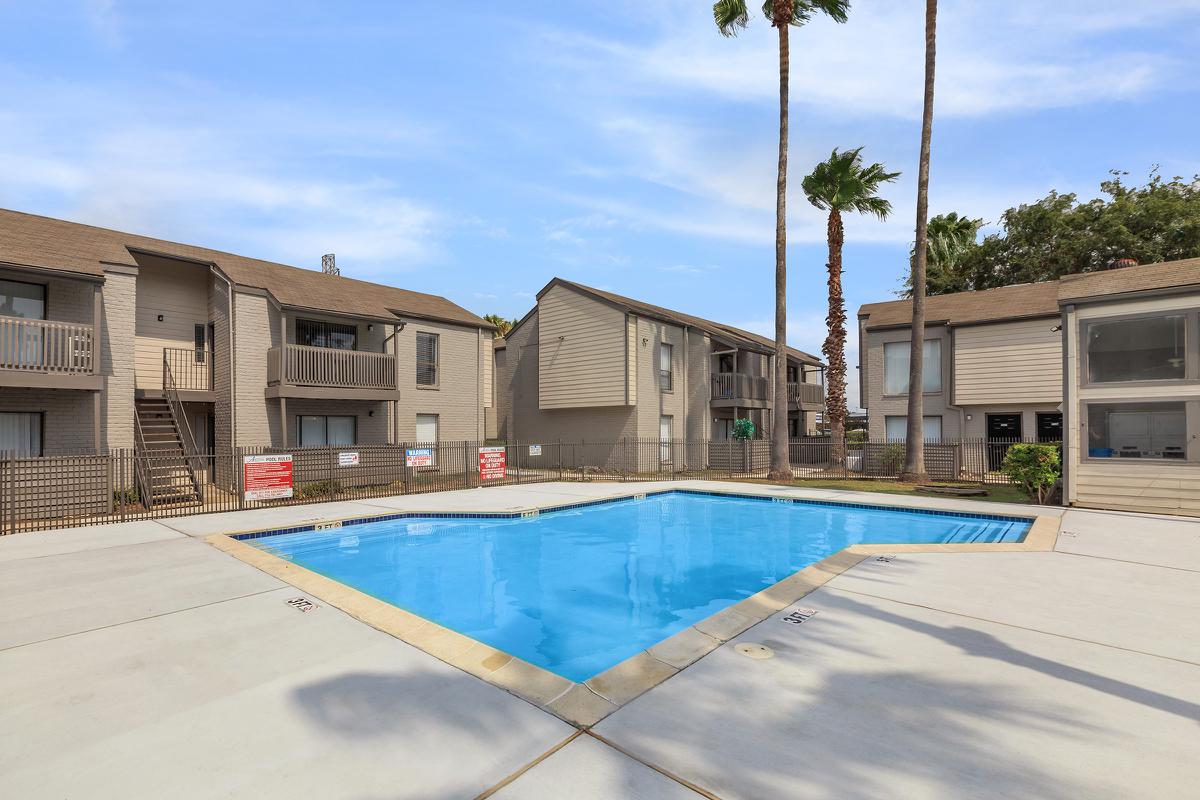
{"type": "Point", "coordinates": [578, 590]}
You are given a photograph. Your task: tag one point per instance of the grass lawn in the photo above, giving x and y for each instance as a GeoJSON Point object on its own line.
{"type": "Point", "coordinates": [995, 493]}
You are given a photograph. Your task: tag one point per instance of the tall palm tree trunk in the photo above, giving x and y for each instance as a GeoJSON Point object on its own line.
{"type": "Point", "coordinates": [835, 344]}
{"type": "Point", "coordinates": [914, 459]}
{"type": "Point", "coordinates": [781, 469]}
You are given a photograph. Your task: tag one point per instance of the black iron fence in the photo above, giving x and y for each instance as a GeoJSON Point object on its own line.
{"type": "Point", "coordinates": [82, 489]}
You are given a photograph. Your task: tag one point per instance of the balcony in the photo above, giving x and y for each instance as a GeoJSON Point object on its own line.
{"type": "Point", "coordinates": [739, 389]}
{"type": "Point", "coordinates": [44, 354]}
{"type": "Point", "coordinates": [321, 372]}
{"type": "Point", "coordinates": [806, 396]}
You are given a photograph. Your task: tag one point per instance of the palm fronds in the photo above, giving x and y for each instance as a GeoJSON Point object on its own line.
{"type": "Point", "coordinates": [842, 183]}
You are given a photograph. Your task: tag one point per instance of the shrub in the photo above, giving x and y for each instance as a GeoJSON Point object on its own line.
{"type": "Point", "coordinates": [1035, 467]}
{"type": "Point", "coordinates": [743, 429]}
{"type": "Point", "coordinates": [856, 439]}
{"type": "Point", "coordinates": [317, 489]}
{"type": "Point", "coordinates": [128, 495]}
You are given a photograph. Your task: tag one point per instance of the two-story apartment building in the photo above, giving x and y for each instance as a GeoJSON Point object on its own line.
{"type": "Point", "coordinates": [589, 364]}
{"type": "Point", "coordinates": [1107, 362]}
{"type": "Point", "coordinates": [992, 365]}
{"type": "Point", "coordinates": [99, 329]}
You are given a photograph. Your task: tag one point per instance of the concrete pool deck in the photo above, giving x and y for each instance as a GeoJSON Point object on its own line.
{"type": "Point", "coordinates": [139, 661]}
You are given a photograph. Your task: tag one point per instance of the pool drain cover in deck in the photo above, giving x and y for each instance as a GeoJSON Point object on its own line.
{"type": "Point", "coordinates": [754, 650]}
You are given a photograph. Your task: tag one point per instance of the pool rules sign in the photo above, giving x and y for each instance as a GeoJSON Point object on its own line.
{"type": "Point", "coordinates": [491, 463]}
{"type": "Point", "coordinates": [267, 477]}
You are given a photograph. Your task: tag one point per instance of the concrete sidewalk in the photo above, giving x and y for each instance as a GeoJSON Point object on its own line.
{"type": "Point", "coordinates": [138, 661]}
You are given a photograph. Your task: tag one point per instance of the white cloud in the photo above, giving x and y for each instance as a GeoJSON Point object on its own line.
{"type": "Point", "coordinates": [689, 269]}
{"type": "Point", "coordinates": [232, 185]}
{"type": "Point", "coordinates": [1022, 56]}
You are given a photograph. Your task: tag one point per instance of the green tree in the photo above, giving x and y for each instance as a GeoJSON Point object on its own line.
{"type": "Point", "coordinates": [950, 237]}
{"type": "Point", "coordinates": [503, 326]}
{"type": "Point", "coordinates": [732, 16]}
{"type": "Point", "coordinates": [839, 185]}
{"type": "Point", "coordinates": [914, 460]}
{"type": "Point", "coordinates": [1061, 234]}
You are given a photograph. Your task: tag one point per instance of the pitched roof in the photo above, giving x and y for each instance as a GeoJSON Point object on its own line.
{"type": "Point", "coordinates": [34, 241]}
{"type": "Point", "coordinates": [1147, 277]}
{"type": "Point", "coordinates": [1028, 300]}
{"type": "Point", "coordinates": [737, 336]}
{"type": "Point", "coordinates": [1021, 301]}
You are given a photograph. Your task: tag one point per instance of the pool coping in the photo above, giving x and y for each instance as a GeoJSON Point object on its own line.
{"type": "Point", "coordinates": [585, 704]}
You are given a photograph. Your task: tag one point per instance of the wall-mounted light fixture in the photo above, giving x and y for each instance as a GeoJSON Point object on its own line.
{"type": "Point", "coordinates": [371, 413]}
{"type": "Point", "coordinates": [370, 327]}
{"type": "Point", "coordinates": [160, 317]}
{"type": "Point", "coordinates": [1056, 329]}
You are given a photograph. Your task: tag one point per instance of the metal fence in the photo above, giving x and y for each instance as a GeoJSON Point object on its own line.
{"type": "Point", "coordinates": [82, 489]}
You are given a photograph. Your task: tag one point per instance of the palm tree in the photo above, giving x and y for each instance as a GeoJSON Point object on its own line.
{"type": "Point", "coordinates": [950, 236]}
{"type": "Point", "coordinates": [914, 433]}
{"type": "Point", "coordinates": [503, 326]}
{"type": "Point", "coordinates": [731, 16]}
{"type": "Point", "coordinates": [838, 185]}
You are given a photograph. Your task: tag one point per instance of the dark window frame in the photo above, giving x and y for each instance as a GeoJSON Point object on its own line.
{"type": "Point", "coordinates": [666, 378]}
{"type": "Point", "coordinates": [313, 329]}
{"type": "Point", "coordinates": [45, 287]}
{"type": "Point", "coordinates": [1191, 348]}
{"type": "Point", "coordinates": [41, 415]}
{"type": "Point", "coordinates": [434, 366]}
{"type": "Point", "coordinates": [300, 430]}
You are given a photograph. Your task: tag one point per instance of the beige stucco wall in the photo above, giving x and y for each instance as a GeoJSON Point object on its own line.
{"type": "Point", "coordinates": [582, 351]}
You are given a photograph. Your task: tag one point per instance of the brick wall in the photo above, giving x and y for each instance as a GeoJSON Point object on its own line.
{"type": "Point", "coordinates": [116, 342]}
{"type": "Point", "coordinates": [67, 426]}
{"type": "Point", "coordinates": [458, 398]}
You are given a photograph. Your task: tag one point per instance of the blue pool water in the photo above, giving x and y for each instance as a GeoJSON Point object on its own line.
{"type": "Point", "coordinates": [577, 591]}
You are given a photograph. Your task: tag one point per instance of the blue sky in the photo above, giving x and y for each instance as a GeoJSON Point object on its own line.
{"type": "Point", "coordinates": [477, 154]}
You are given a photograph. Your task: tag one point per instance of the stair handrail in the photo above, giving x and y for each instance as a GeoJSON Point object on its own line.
{"type": "Point", "coordinates": [140, 455]}
{"type": "Point", "coordinates": [191, 453]}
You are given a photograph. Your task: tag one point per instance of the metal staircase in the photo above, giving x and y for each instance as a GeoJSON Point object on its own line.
{"type": "Point", "coordinates": [166, 463]}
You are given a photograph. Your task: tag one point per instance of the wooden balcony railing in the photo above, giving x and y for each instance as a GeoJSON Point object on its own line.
{"type": "Point", "coordinates": [38, 345]}
{"type": "Point", "coordinates": [190, 369]}
{"type": "Point", "coordinates": [301, 365]}
{"type": "Point", "coordinates": [738, 386]}
{"type": "Point", "coordinates": [808, 394]}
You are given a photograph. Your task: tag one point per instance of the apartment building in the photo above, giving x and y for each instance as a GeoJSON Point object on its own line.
{"type": "Point", "coordinates": [1107, 362]}
{"type": "Point", "coordinates": [587, 364]}
{"type": "Point", "coordinates": [112, 340]}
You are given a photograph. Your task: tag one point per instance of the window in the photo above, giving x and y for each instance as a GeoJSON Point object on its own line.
{"type": "Point", "coordinates": [666, 378]}
{"type": "Point", "coordinates": [199, 338]}
{"type": "Point", "coordinates": [335, 335]}
{"type": "Point", "coordinates": [897, 428]}
{"type": "Point", "coordinates": [21, 433]}
{"type": "Point", "coordinates": [26, 300]}
{"type": "Point", "coordinates": [427, 359]}
{"type": "Point", "coordinates": [665, 424]}
{"type": "Point", "coordinates": [1137, 430]}
{"type": "Point", "coordinates": [895, 366]}
{"type": "Point", "coordinates": [792, 374]}
{"type": "Point", "coordinates": [725, 363]}
{"type": "Point", "coordinates": [427, 427]}
{"type": "Point", "coordinates": [1140, 349]}
{"type": "Point", "coordinates": [320, 430]}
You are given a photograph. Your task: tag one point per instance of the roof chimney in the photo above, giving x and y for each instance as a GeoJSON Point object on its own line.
{"type": "Point", "coordinates": [329, 264]}
{"type": "Point", "coordinates": [1125, 262]}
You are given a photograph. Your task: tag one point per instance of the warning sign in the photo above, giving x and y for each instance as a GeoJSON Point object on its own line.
{"type": "Point", "coordinates": [347, 459]}
{"type": "Point", "coordinates": [418, 457]}
{"type": "Point", "coordinates": [491, 463]}
{"type": "Point", "coordinates": [267, 477]}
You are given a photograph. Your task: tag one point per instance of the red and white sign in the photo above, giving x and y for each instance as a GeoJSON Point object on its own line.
{"type": "Point", "coordinates": [491, 463]}
{"type": "Point", "coordinates": [267, 477]}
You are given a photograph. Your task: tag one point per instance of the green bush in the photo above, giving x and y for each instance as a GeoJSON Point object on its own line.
{"type": "Point", "coordinates": [128, 496]}
{"type": "Point", "coordinates": [856, 439]}
{"type": "Point", "coordinates": [743, 429]}
{"type": "Point", "coordinates": [893, 458]}
{"type": "Point", "coordinates": [317, 489]}
{"type": "Point", "coordinates": [1034, 467]}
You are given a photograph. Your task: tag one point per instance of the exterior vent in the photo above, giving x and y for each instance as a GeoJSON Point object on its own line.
{"type": "Point", "coordinates": [329, 264]}
{"type": "Point", "coordinates": [1125, 262]}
